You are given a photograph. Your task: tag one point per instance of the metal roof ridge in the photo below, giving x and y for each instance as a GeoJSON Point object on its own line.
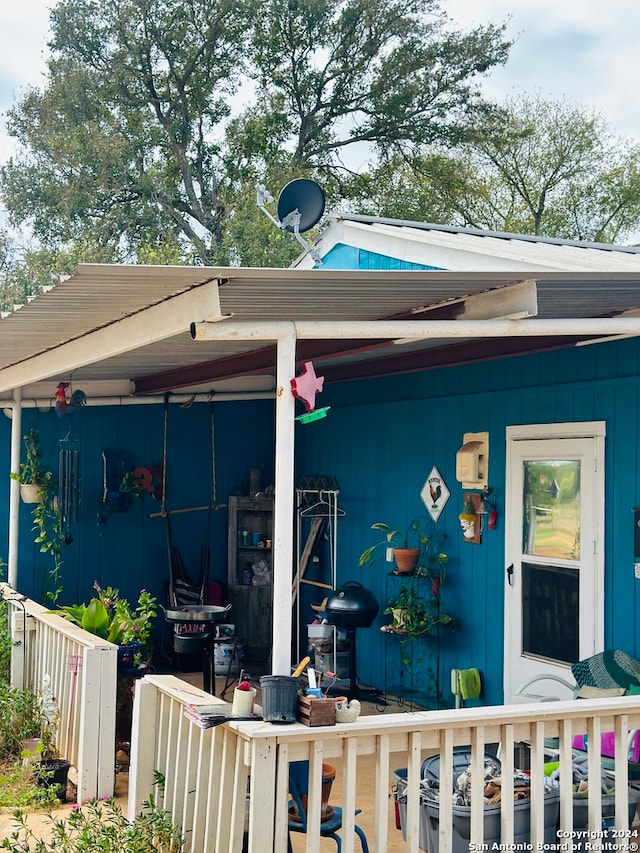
{"type": "Point", "coordinates": [479, 232]}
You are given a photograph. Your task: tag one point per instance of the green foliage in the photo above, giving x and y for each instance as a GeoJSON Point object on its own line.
{"type": "Point", "coordinates": [20, 720]}
{"type": "Point", "coordinates": [6, 642]}
{"type": "Point", "coordinates": [415, 614]}
{"type": "Point", "coordinates": [113, 618]}
{"type": "Point", "coordinates": [129, 151]}
{"type": "Point", "coordinates": [32, 470]}
{"type": "Point", "coordinates": [101, 826]}
{"type": "Point", "coordinates": [18, 789]}
{"type": "Point", "coordinates": [414, 536]}
{"type": "Point", "coordinates": [48, 529]}
{"type": "Point", "coordinates": [535, 166]}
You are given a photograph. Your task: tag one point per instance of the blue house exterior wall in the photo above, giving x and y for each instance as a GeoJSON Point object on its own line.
{"type": "Point", "coordinates": [343, 257]}
{"type": "Point", "coordinates": [129, 550]}
{"type": "Point", "coordinates": [381, 438]}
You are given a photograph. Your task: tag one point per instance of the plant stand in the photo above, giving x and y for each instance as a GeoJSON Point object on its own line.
{"type": "Point", "coordinates": [412, 663]}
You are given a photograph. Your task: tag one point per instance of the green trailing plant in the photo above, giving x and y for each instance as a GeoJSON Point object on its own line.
{"type": "Point", "coordinates": [48, 531]}
{"type": "Point", "coordinates": [414, 614]}
{"type": "Point", "coordinates": [51, 539]}
{"type": "Point", "coordinates": [33, 471]}
{"type": "Point", "coordinates": [100, 825]}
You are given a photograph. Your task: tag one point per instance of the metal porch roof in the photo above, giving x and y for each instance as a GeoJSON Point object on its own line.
{"type": "Point", "coordinates": [82, 316]}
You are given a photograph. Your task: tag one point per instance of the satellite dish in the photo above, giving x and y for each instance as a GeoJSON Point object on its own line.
{"type": "Point", "coordinates": [304, 198]}
{"type": "Point", "coordinates": [300, 207]}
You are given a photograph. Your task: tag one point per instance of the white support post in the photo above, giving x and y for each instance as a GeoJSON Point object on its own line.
{"type": "Point", "coordinates": [263, 793]}
{"type": "Point", "coordinates": [144, 731]}
{"type": "Point", "coordinates": [284, 503]}
{"type": "Point", "coordinates": [22, 628]}
{"type": "Point", "coordinates": [96, 750]}
{"type": "Point", "coordinates": [14, 489]}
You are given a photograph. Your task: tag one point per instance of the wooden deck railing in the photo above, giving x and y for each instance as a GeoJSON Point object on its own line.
{"type": "Point", "coordinates": [82, 671]}
{"type": "Point", "coordinates": [207, 773]}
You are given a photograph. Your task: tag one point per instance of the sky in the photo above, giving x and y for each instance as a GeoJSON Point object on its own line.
{"type": "Point", "coordinates": [585, 51]}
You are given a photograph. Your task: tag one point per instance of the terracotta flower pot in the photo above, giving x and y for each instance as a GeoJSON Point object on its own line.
{"type": "Point", "coordinates": [328, 775]}
{"type": "Point", "coordinates": [406, 559]}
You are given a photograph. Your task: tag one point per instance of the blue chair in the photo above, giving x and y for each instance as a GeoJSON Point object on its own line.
{"type": "Point", "coordinates": [328, 827]}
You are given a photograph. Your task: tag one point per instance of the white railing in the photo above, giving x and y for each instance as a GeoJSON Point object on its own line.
{"type": "Point", "coordinates": [206, 773]}
{"type": "Point", "coordinates": [83, 677]}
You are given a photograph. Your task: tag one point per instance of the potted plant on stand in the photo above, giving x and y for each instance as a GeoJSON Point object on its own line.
{"type": "Point", "coordinates": [413, 614]}
{"type": "Point", "coordinates": [110, 616]}
{"type": "Point", "coordinates": [409, 547]}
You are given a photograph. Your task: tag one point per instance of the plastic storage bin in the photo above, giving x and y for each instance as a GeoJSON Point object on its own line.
{"type": "Point", "coordinates": [430, 769]}
{"type": "Point", "coordinates": [401, 803]}
{"type": "Point", "coordinates": [581, 809]}
{"type": "Point", "coordinates": [461, 828]}
{"type": "Point", "coordinates": [461, 823]}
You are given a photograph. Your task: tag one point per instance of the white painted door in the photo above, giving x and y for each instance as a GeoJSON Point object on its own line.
{"type": "Point", "coordinates": [554, 576]}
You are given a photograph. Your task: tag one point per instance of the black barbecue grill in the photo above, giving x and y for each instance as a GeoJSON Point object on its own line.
{"type": "Point", "coordinates": [351, 607]}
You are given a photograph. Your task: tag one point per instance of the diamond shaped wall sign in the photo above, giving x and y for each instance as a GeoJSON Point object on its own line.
{"type": "Point", "coordinates": [434, 494]}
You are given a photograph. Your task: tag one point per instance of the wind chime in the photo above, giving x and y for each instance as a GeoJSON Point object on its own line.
{"type": "Point", "coordinates": [68, 461]}
{"type": "Point", "coordinates": [68, 486]}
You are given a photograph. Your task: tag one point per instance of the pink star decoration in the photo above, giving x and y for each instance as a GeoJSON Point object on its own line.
{"type": "Point", "coordinates": [305, 386]}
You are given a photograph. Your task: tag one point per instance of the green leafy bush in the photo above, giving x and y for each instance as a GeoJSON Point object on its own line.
{"type": "Point", "coordinates": [5, 642]}
{"type": "Point", "coordinates": [101, 826]}
{"type": "Point", "coordinates": [19, 790]}
{"type": "Point", "coordinates": [20, 720]}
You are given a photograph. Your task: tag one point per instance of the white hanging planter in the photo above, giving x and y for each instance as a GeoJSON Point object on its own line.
{"type": "Point", "coordinates": [31, 494]}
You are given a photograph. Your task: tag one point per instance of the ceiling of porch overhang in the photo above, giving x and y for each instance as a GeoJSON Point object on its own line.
{"type": "Point", "coordinates": [70, 330]}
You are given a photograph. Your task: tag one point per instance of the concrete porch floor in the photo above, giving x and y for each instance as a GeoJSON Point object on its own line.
{"type": "Point", "coordinates": [41, 823]}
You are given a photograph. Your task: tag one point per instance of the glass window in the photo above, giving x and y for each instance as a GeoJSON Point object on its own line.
{"type": "Point", "coordinates": [551, 509]}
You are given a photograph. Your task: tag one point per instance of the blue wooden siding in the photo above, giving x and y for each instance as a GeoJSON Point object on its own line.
{"type": "Point", "coordinates": [343, 257]}
{"type": "Point", "coordinates": [129, 550]}
{"type": "Point", "coordinates": [379, 440]}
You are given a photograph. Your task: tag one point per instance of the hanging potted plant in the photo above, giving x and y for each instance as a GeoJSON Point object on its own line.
{"type": "Point", "coordinates": [409, 548]}
{"type": "Point", "coordinates": [35, 480]}
{"type": "Point", "coordinates": [38, 487]}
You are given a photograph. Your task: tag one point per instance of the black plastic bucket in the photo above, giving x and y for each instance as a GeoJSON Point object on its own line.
{"type": "Point", "coordinates": [279, 698]}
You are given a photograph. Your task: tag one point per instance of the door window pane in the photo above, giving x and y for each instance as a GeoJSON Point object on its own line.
{"type": "Point", "coordinates": [550, 609]}
{"type": "Point", "coordinates": [551, 509]}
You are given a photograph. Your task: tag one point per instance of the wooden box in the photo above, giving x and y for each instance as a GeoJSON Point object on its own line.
{"type": "Point", "coordinates": [316, 712]}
